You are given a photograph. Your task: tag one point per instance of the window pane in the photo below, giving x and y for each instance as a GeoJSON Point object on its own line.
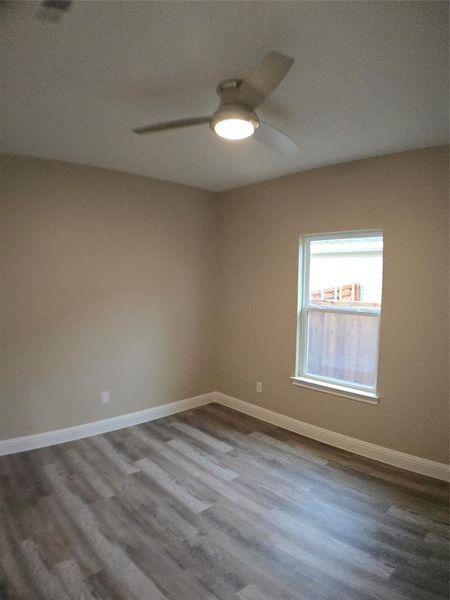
{"type": "Point", "coordinates": [342, 347]}
{"type": "Point", "coordinates": [346, 272]}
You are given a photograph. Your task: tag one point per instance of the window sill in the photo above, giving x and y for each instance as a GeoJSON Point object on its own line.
{"type": "Point", "coordinates": [336, 390]}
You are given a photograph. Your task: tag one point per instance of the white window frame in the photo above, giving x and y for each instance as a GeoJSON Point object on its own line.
{"type": "Point", "coordinates": [327, 384]}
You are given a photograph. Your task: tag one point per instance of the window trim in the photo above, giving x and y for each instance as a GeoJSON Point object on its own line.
{"type": "Point", "coordinates": [336, 390]}
{"type": "Point", "coordinates": [327, 384]}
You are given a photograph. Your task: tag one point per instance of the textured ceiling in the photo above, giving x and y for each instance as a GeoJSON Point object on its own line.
{"type": "Point", "coordinates": [369, 78]}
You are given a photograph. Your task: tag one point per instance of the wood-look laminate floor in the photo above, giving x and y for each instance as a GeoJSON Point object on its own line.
{"type": "Point", "coordinates": [213, 505]}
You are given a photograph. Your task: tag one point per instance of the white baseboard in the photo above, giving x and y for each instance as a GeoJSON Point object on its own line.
{"type": "Point", "coordinates": [395, 458]}
{"type": "Point", "coordinates": [68, 434]}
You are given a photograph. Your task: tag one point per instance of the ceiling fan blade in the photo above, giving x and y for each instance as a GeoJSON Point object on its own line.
{"type": "Point", "coordinates": [263, 79]}
{"type": "Point", "coordinates": [171, 125]}
{"type": "Point", "coordinates": [275, 139]}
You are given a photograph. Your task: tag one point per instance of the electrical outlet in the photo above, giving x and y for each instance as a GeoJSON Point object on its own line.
{"type": "Point", "coordinates": [105, 397]}
{"type": "Point", "coordinates": [259, 387]}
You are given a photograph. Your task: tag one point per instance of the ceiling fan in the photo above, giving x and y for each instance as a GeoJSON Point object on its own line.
{"type": "Point", "coordinates": [235, 118]}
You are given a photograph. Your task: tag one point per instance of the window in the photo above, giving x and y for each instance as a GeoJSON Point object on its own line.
{"type": "Point", "coordinates": [340, 283]}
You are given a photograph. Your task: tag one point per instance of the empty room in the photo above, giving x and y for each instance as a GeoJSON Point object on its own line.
{"type": "Point", "coordinates": [224, 267]}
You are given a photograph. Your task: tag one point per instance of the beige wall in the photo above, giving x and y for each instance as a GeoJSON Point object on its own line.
{"type": "Point", "coordinates": [108, 283]}
{"type": "Point", "coordinates": [407, 196]}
